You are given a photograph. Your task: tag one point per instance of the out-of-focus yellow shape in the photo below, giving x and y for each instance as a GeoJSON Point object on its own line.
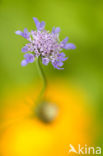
{"type": "Point", "coordinates": [25, 135]}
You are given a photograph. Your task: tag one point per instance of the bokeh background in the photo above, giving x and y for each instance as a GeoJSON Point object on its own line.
{"type": "Point", "coordinates": [82, 22]}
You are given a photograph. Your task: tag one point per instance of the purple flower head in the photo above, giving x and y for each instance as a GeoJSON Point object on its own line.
{"type": "Point", "coordinates": [44, 44]}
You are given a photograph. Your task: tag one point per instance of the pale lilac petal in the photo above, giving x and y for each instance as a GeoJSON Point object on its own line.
{"type": "Point", "coordinates": [24, 62]}
{"type": "Point", "coordinates": [59, 68]}
{"type": "Point", "coordinates": [57, 64]}
{"type": "Point", "coordinates": [24, 49]}
{"type": "Point", "coordinates": [61, 55]}
{"type": "Point", "coordinates": [53, 30]}
{"type": "Point", "coordinates": [45, 61]}
{"type": "Point", "coordinates": [69, 46]}
{"type": "Point", "coordinates": [26, 34]}
{"type": "Point", "coordinates": [57, 30]}
{"type": "Point", "coordinates": [25, 30]}
{"type": "Point", "coordinates": [37, 23]}
{"type": "Point", "coordinates": [64, 59]}
{"type": "Point", "coordinates": [60, 63]}
{"type": "Point", "coordinates": [31, 60]}
{"type": "Point", "coordinates": [26, 55]}
{"type": "Point", "coordinates": [18, 32]}
{"type": "Point", "coordinates": [29, 57]}
{"type": "Point", "coordinates": [63, 43]}
{"type": "Point", "coordinates": [65, 40]}
{"type": "Point", "coordinates": [42, 25]}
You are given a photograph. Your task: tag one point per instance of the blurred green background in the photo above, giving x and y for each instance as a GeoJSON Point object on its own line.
{"type": "Point", "coordinates": [80, 20]}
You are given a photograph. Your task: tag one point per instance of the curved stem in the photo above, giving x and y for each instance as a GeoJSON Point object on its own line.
{"type": "Point", "coordinates": [42, 75]}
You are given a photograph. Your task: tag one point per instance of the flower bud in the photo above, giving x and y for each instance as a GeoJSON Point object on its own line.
{"type": "Point", "coordinates": [47, 112]}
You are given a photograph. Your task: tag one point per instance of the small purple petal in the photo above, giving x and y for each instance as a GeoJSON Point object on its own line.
{"type": "Point", "coordinates": [26, 55]}
{"type": "Point", "coordinates": [24, 62]}
{"type": "Point", "coordinates": [41, 25]}
{"type": "Point", "coordinates": [53, 30]}
{"type": "Point", "coordinates": [65, 40]}
{"type": "Point", "coordinates": [69, 46]}
{"type": "Point", "coordinates": [24, 49]}
{"type": "Point", "coordinates": [63, 43]}
{"type": "Point", "coordinates": [25, 30]}
{"type": "Point", "coordinates": [57, 30]}
{"type": "Point", "coordinates": [45, 61]}
{"type": "Point", "coordinates": [56, 64]}
{"type": "Point", "coordinates": [59, 68]}
{"type": "Point", "coordinates": [61, 57]}
{"type": "Point", "coordinates": [29, 57]}
{"type": "Point", "coordinates": [18, 32]}
{"type": "Point", "coordinates": [59, 63]}
{"type": "Point", "coordinates": [36, 22]}
{"type": "Point", "coordinates": [64, 59]}
{"type": "Point", "coordinates": [26, 34]}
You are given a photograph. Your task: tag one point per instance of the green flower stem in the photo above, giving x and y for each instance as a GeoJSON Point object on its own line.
{"type": "Point", "coordinates": [42, 75]}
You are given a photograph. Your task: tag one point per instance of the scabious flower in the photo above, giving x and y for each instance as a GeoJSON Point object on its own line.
{"type": "Point", "coordinates": [44, 44]}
